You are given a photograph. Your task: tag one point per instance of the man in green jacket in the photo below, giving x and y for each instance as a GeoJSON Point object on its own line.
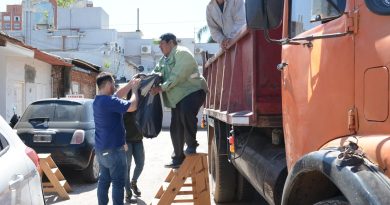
{"type": "Point", "coordinates": [184, 91]}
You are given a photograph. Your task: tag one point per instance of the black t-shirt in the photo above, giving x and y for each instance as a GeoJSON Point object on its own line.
{"type": "Point", "coordinates": [132, 132]}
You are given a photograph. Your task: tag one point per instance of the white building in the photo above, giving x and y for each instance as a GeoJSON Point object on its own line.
{"type": "Point", "coordinates": [24, 77]}
{"type": "Point", "coordinates": [83, 33]}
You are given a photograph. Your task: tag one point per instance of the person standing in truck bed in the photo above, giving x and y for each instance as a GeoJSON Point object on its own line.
{"type": "Point", "coordinates": [225, 18]}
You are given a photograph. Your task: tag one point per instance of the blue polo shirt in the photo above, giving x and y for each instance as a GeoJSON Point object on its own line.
{"type": "Point", "coordinates": [109, 128]}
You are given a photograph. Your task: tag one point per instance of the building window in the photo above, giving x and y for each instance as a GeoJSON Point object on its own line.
{"type": "Point", "coordinates": [16, 18]}
{"type": "Point", "coordinates": [17, 26]}
{"type": "Point", "coordinates": [6, 18]}
{"type": "Point", "coordinates": [7, 26]}
{"type": "Point", "coordinates": [75, 88]}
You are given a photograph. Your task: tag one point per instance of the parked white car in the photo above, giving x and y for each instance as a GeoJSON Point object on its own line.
{"type": "Point", "coordinates": [20, 182]}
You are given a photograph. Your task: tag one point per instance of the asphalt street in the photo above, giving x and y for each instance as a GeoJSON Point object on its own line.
{"type": "Point", "coordinates": [157, 153]}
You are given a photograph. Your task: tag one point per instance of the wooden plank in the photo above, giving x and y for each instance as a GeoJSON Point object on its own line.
{"type": "Point", "coordinates": [51, 162]}
{"type": "Point", "coordinates": [160, 192]}
{"type": "Point", "coordinates": [66, 185]}
{"type": "Point", "coordinates": [170, 176]}
{"type": "Point", "coordinates": [54, 185]}
{"type": "Point", "coordinates": [183, 201]}
{"type": "Point", "coordinates": [178, 180]}
{"type": "Point", "coordinates": [44, 155]}
{"type": "Point", "coordinates": [198, 181]}
{"type": "Point", "coordinates": [192, 175]}
{"type": "Point", "coordinates": [204, 194]}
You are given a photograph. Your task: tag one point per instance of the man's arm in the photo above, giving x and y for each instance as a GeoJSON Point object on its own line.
{"type": "Point", "coordinates": [133, 101]}
{"type": "Point", "coordinates": [122, 92]}
{"type": "Point", "coordinates": [215, 30]}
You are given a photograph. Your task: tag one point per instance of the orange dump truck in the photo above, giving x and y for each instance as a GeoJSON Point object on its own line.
{"type": "Point", "coordinates": [298, 107]}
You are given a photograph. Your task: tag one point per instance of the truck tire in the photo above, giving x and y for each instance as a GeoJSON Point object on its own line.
{"type": "Point", "coordinates": [223, 173]}
{"type": "Point", "coordinates": [91, 173]}
{"type": "Point", "coordinates": [333, 201]}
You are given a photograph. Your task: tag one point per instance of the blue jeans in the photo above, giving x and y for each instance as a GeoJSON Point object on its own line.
{"type": "Point", "coordinates": [135, 150]}
{"type": "Point", "coordinates": [112, 169]}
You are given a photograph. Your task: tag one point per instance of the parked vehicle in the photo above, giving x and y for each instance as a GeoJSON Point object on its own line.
{"type": "Point", "coordinates": [66, 129]}
{"type": "Point", "coordinates": [331, 100]}
{"type": "Point", "coordinates": [20, 182]}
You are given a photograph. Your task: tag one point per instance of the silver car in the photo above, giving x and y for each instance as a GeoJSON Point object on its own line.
{"type": "Point", "coordinates": [20, 182]}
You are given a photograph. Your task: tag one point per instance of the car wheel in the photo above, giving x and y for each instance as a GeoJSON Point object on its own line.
{"type": "Point", "coordinates": [91, 173]}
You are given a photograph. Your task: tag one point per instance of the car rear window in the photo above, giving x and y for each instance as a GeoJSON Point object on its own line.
{"type": "Point", "coordinates": [3, 144]}
{"type": "Point", "coordinates": [53, 111]}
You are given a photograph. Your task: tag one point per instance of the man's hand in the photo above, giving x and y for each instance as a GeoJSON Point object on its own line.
{"type": "Point", "coordinates": [122, 92]}
{"type": "Point", "coordinates": [225, 43]}
{"type": "Point", "coordinates": [135, 83]}
{"type": "Point", "coordinates": [155, 90]}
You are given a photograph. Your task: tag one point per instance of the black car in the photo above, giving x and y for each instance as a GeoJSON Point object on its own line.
{"type": "Point", "coordinates": [66, 129]}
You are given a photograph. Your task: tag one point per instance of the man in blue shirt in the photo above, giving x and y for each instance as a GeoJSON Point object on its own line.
{"type": "Point", "coordinates": [110, 147]}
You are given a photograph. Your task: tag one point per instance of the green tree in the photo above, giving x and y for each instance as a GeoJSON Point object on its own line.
{"type": "Point", "coordinates": [65, 3]}
{"type": "Point", "coordinates": [203, 30]}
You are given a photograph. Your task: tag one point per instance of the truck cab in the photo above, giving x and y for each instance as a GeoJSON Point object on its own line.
{"type": "Point", "coordinates": [334, 83]}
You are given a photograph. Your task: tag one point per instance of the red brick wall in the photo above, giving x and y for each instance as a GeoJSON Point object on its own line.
{"type": "Point", "coordinates": [58, 81]}
{"type": "Point", "coordinates": [87, 82]}
{"type": "Point", "coordinates": [12, 11]}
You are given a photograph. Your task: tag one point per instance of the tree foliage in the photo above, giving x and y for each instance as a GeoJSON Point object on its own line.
{"type": "Point", "coordinates": [65, 3]}
{"type": "Point", "coordinates": [200, 33]}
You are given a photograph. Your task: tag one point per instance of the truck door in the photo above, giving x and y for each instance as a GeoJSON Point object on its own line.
{"type": "Point", "coordinates": [372, 66]}
{"type": "Point", "coordinates": [318, 81]}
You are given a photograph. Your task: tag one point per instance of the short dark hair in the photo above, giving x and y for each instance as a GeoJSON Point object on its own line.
{"type": "Point", "coordinates": [103, 78]}
{"type": "Point", "coordinates": [168, 37]}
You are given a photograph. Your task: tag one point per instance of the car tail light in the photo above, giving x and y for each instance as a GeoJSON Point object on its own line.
{"type": "Point", "coordinates": [78, 137]}
{"type": "Point", "coordinates": [33, 156]}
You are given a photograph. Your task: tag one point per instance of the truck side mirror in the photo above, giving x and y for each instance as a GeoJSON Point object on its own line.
{"type": "Point", "coordinates": [264, 14]}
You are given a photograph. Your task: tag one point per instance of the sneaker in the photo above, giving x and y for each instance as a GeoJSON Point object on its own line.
{"type": "Point", "coordinates": [130, 200]}
{"type": "Point", "coordinates": [135, 189]}
{"type": "Point", "coordinates": [173, 165]}
{"type": "Point", "coordinates": [190, 151]}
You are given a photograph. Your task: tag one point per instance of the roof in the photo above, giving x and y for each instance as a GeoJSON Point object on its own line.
{"type": "Point", "coordinates": [86, 65]}
{"type": "Point", "coordinates": [49, 58]}
{"type": "Point", "coordinates": [38, 54]}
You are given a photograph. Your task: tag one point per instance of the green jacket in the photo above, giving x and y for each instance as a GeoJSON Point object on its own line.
{"type": "Point", "coordinates": [181, 76]}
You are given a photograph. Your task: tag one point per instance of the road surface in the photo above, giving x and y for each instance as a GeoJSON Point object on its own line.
{"type": "Point", "coordinates": [157, 153]}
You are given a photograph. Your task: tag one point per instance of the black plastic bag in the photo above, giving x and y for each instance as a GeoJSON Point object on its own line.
{"type": "Point", "coordinates": [149, 116]}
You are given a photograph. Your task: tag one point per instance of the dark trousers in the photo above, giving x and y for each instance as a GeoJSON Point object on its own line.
{"type": "Point", "coordinates": [184, 123]}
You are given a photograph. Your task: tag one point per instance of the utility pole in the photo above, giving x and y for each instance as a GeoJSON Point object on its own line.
{"type": "Point", "coordinates": [26, 21]}
{"type": "Point", "coordinates": [138, 21]}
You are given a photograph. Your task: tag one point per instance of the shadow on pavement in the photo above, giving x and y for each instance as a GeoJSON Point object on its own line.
{"type": "Point", "coordinates": [139, 202]}
{"type": "Point", "coordinates": [76, 182]}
